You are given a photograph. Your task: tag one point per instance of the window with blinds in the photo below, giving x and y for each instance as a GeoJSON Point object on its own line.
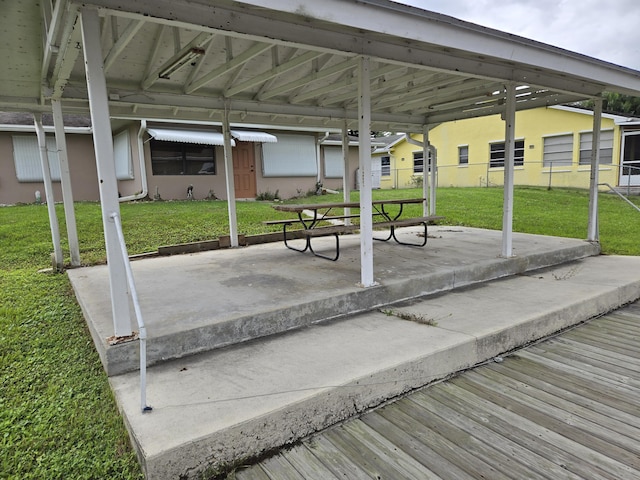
{"type": "Point", "coordinates": [606, 147]}
{"type": "Point", "coordinates": [333, 162]}
{"type": "Point", "coordinates": [26, 157]}
{"type": "Point", "coordinates": [292, 156]}
{"type": "Point", "coordinates": [558, 151]}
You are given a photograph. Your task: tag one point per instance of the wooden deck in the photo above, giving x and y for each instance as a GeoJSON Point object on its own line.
{"type": "Point", "coordinates": [566, 408]}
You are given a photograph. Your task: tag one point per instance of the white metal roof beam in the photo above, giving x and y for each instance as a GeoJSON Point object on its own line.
{"type": "Point", "coordinates": [540, 64]}
{"type": "Point", "coordinates": [52, 32]}
{"type": "Point", "coordinates": [67, 56]}
{"type": "Point", "coordinates": [542, 101]}
{"type": "Point", "coordinates": [263, 77]}
{"type": "Point", "coordinates": [375, 88]}
{"type": "Point", "coordinates": [347, 82]}
{"type": "Point", "coordinates": [414, 93]}
{"type": "Point", "coordinates": [450, 34]}
{"type": "Point", "coordinates": [237, 61]}
{"type": "Point", "coordinates": [275, 61]}
{"type": "Point", "coordinates": [122, 42]}
{"type": "Point", "coordinates": [327, 72]}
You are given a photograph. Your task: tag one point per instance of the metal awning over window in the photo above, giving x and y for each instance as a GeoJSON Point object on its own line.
{"type": "Point", "coordinates": [188, 136]}
{"type": "Point", "coordinates": [253, 136]}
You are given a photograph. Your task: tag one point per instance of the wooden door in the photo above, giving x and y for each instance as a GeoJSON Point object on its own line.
{"type": "Point", "coordinates": [244, 170]}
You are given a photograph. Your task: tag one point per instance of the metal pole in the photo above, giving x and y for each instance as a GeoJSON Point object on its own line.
{"type": "Point", "coordinates": [425, 170]}
{"type": "Point", "coordinates": [592, 229]}
{"type": "Point", "coordinates": [228, 172]}
{"type": "Point", "coordinates": [346, 184]}
{"type": "Point", "coordinates": [364, 151]}
{"type": "Point", "coordinates": [142, 335]}
{"type": "Point", "coordinates": [58, 259]}
{"type": "Point", "coordinates": [107, 183]}
{"type": "Point", "coordinates": [509, 153]}
{"type": "Point", "coordinates": [65, 180]}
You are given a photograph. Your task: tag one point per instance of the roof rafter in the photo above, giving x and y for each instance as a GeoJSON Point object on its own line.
{"type": "Point", "coordinates": [241, 59]}
{"type": "Point", "coordinates": [275, 71]}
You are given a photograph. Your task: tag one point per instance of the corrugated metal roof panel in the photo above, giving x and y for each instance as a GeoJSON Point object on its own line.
{"type": "Point", "coordinates": [188, 136]}
{"type": "Point", "coordinates": [253, 136]}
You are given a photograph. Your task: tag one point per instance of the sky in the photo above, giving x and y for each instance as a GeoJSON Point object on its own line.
{"type": "Point", "coordinates": [605, 29]}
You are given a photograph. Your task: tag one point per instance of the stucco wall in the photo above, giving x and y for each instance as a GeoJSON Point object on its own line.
{"type": "Point", "coordinates": [82, 166]}
{"type": "Point", "coordinates": [531, 127]}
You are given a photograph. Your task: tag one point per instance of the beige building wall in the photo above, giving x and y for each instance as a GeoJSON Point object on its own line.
{"type": "Point", "coordinates": [82, 166]}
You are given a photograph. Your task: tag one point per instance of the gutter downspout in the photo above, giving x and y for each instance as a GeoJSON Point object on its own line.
{"type": "Point", "coordinates": [143, 167]}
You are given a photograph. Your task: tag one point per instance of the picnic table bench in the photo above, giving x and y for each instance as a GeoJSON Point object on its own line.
{"type": "Point", "coordinates": [313, 218]}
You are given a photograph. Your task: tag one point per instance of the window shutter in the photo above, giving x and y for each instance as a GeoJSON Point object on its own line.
{"type": "Point", "coordinates": [292, 156]}
{"type": "Point", "coordinates": [26, 157]}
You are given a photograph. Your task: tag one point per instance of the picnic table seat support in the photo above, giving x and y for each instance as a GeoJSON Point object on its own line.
{"type": "Point", "coordinates": [408, 222]}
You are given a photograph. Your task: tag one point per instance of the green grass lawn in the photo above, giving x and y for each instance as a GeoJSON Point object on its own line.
{"type": "Point", "coordinates": [58, 418]}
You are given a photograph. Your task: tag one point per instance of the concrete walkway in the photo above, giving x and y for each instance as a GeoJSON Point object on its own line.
{"type": "Point", "coordinates": [348, 348]}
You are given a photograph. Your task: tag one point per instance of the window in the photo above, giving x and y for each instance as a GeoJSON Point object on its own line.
{"type": "Point", "coordinates": [122, 156]}
{"type": "Point", "coordinates": [558, 151]}
{"type": "Point", "coordinates": [333, 162]}
{"type": "Point", "coordinates": [418, 162]}
{"type": "Point", "coordinates": [292, 156]}
{"type": "Point", "coordinates": [26, 157]}
{"type": "Point", "coordinates": [385, 166]}
{"type": "Point", "coordinates": [174, 158]}
{"type": "Point", "coordinates": [463, 155]}
{"type": "Point", "coordinates": [606, 147]}
{"type": "Point", "coordinates": [497, 154]}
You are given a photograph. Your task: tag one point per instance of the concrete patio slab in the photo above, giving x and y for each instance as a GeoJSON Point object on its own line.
{"type": "Point", "coordinates": [232, 404]}
{"type": "Point", "coordinates": [197, 302]}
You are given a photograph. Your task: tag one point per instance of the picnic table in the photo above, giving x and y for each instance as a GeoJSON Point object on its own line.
{"type": "Point", "coordinates": [313, 218]}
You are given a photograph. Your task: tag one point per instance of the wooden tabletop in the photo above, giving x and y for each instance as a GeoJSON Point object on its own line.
{"type": "Point", "coordinates": [291, 207]}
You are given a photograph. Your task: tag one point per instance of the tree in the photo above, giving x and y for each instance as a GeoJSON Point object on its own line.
{"type": "Point", "coordinates": [616, 103]}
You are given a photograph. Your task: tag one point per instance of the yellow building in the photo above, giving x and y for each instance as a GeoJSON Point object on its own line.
{"type": "Point", "coordinates": [552, 148]}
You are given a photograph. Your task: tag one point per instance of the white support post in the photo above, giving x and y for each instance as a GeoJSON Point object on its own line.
{"type": "Point", "coordinates": [364, 151]}
{"type": "Point", "coordinates": [593, 234]}
{"type": "Point", "coordinates": [346, 185]}
{"type": "Point", "coordinates": [509, 153]}
{"type": "Point", "coordinates": [228, 171]}
{"type": "Point", "coordinates": [65, 181]}
{"type": "Point", "coordinates": [107, 183]}
{"type": "Point", "coordinates": [425, 171]}
{"type": "Point", "coordinates": [58, 259]}
{"type": "Point", "coordinates": [434, 179]}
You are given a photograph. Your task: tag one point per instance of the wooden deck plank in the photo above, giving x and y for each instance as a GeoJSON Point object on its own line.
{"type": "Point", "coordinates": [623, 322]}
{"type": "Point", "coordinates": [594, 350]}
{"type": "Point", "coordinates": [621, 380]}
{"type": "Point", "coordinates": [453, 445]}
{"type": "Point", "coordinates": [601, 426]}
{"type": "Point", "coordinates": [553, 460]}
{"type": "Point", "coordinates": [408, 443]}
{"type": "Point", "coordinates": [406, 465]}
{"type": "Point", "coordinates": [578, 382]}
{"type": "Point", "coordinates": [372, 464]}
{"type": "Point", "coordinates": [596, 378]}
{"type": "Point", "coordinates": [504, 455]}
{"type": "Point", "coordinates": [340, 465]}
{"type": "Point", "coordinates": [593, 402]}
{"type": "Point", "coordinates": [593, 450]}
{"type": "Point", "coordinates": [621, 364]}
{"type": "Point", "coordinates": [604, 344]}
{"type": "Point", "coordinates": [253, 472]}
{"type": "Point", "coordinates": [607, 340]}
{"type": "Point", "coordinates": [307, 464]}
{"type": "Point", "coordinates": [598, 358]}
{"type": "Point", "coordinates": [278, 468]}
